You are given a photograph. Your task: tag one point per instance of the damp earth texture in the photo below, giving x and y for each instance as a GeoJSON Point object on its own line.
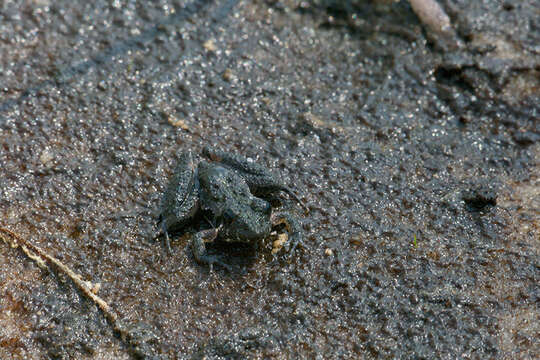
{"type": "Point", "coordinates": [416, 155]}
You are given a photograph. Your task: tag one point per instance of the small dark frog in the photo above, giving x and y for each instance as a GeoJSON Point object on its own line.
{"type": "Point", "coordinates": [232, 195]}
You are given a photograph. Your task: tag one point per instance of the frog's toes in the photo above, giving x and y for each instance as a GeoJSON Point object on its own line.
{"type": "Point", "coordinates": [210, 260]}
{"type": "Point", "coordinates": [198, 245]}
{"type": "Point", "coordinates": [162, 231]}
{"type": "Point", "coordinates": [297, 199]}
{"type": "Point", "coordinates": [292, 224]}
{"type": "Point", "coordinates": [167, 241]}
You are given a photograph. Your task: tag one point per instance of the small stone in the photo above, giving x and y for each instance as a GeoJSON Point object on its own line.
{"type": "Point", "coordinates": [314, 120]}
{"type": "Point", "coordinates": [102, 85]}
{"type": "Point", "coordinates": [523, 137]}
{"type": "Point", "coordinates": [228, 75]}
{"type": "Point", "coordinates": [177, 122]}
{"type": "Point", "coordinates": [356, 240]}
{"type": "Point", "coordinates": [328, 252]}
{"type": "Point", "coordinates": [278, 244]}
{"type": "Point", "coordinates": [210, 45]}
{"type": "Point", "coordinates": [267, 101]}
{"type": "Point", "coordinates": [46, 157]}
{"type": "Point", "coordinates": [479, 197]}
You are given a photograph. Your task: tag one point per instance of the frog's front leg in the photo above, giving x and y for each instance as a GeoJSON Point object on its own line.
{"type": "Point", "coordinates": [162, 230]}
{"type": "Point", "coordinates": [293, 226]}
{"type": "Point", "coordinates": [259, 179]}
{"type": "Point", "coordinates": [198, 245]}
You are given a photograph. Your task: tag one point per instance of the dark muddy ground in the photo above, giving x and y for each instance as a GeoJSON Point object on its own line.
{"type": "Point", "coordinates": [419, 164]}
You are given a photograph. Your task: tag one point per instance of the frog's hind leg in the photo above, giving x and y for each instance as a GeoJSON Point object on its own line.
{"type": "Point", "coordinates": [292, 224]}
{"type": "Point", "coordinates": [180, 202]}
{"type": "Point", "coordinates": [235, 162]}
{"type": "Point", "coordinates": [198, 245]}
{"type": "Point", "coordinates": [258, 178]}
{"type": "Point", "coordinates": [267, 185]}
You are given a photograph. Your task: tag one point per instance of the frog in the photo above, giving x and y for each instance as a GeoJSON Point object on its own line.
{"type": "Point", "coordinates": [230, 197]}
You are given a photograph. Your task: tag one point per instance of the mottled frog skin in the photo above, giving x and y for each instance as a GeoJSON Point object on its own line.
{"type": "Point", "coordinates": [231, 194]}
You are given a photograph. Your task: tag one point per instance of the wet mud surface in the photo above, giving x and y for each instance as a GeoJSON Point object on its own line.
{"type": "Point", "coordinates": [419, 163]}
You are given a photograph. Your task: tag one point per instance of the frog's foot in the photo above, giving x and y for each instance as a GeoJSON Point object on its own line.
{"type": "Point", "coordinates": [198, 245]}
{"type": "Point", "coordinates": [293, 228]}
{"type": "Point", "coordinates": [162, 231]}
{"type": "Point", "coordinates": [295, 197]}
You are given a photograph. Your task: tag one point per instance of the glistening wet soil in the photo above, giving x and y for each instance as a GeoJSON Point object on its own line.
{"type": "Point", "coordinates": [419, 164]}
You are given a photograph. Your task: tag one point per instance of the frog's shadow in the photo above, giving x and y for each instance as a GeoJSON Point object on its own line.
{"type": "Point", "coordinates": [240, 256]}
{"type": "Point", "coordinates": [236, 253]}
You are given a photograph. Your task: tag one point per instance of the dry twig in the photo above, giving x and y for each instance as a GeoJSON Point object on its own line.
{"type": "Point", "coordinates": [41, 257]}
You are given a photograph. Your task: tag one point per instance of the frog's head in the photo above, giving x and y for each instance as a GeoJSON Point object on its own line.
{"type": "Point", "coordinates": [214, 183]}
{"type": "Point", "coordinates": [244, 216]}
{"type": "Point", "coordinates": [249, 220]}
